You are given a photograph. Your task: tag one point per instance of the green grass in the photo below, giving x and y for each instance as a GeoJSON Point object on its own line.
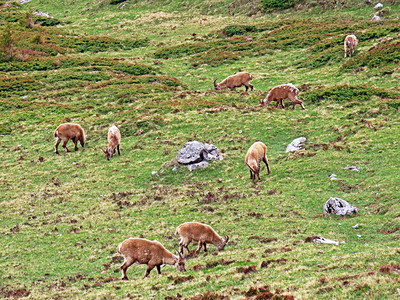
{"type": "Point", "coordinates": [149, 68]}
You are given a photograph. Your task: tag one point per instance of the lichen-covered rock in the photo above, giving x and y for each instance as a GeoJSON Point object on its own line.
{"type": "Point", "coordinates": [339, 207]}
{"type": "Point", "coordinates": [195, 152]}
{"type": "Point", "coordinates": [296, 144]}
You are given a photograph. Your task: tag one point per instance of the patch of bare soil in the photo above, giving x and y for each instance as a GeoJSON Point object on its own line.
{"type": "Point", "coordinates": [390, 269]}
{"type": "Point", "coordinates": [264, 292]}
{"type": "Point", "coordinates": [267, 263]}
{"type": "Point", "coordinates": [210, 296]}
{"type": "Point", "coordinates": [6, 292]}
{"type": "Point", "coordinates": [246, 270]}
{"type": "Point", "coordinates": [262, 239]}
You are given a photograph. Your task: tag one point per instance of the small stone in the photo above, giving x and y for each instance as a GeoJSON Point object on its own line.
{"type": "Point", "coordinates": [353, 168]}
{"type": "Point", "coordinates": [378, 6]}
{"type": "Point", "coordinates": [355, 226]}
{"type": "Point", "coordinates": [333, 177]}
{"type": "Point", "coordinates": [376, 18]}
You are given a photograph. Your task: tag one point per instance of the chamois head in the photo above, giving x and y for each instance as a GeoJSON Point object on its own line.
{"type": "Point", "coordinates": [216, 85]}
{"type": "Point", "coordinates": [108, 152]}
{"type": "Point", "coordinates": [180, 262]}
{"type": "Point", "coordinates": [223, 243]}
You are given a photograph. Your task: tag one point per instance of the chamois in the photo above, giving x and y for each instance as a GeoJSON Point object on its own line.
{"type": "Point", "coordinates": [350, 44]}
{"type": "Point", "coordinates": [201, 233]}
{"type": "Point", "coordinates": [69, 131]}
{"type": "Point", "coordinates": [281, 92]}
{"type": "Point", "coordinates": [151, 253]}
{"type": "Point", "coordinates": [256, 153]}
{"type": "Point", "coordinates": [114, 140]}
{"type": "Point", "coordinates": [234, 81]}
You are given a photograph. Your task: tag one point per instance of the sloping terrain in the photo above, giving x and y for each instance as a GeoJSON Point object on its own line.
{"type": "Point", "coordinates": [148, 67]}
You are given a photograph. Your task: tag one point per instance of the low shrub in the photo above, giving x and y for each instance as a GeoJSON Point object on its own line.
{"type": "Point", "coordinates": [18, 83]}
{"type": "Point", "coordinates": [341, 93]}
{"type": "Point", "coordinates": [277, 4]}
{"type": "Point", "coordinates": [376, 57]}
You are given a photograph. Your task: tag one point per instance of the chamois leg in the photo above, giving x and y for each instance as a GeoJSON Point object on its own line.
{"type": "Point", "coordinates": [75, 140]}
{"type": "Point", "coordinates": [283, 106]}
{"type": "Point", "coordinates": [57, 143]}
{"type": "Point", "coordinates": [125, 266]}
{"type": "Point", "coordinates": [159, 269]}
{"type": "Point", "coordinates": [205, 249]}
{"type": "Point", "coordinates": [149, 268]}
{"type": "Point", "coordinates": [64, 145]}
{"type": "Point", "coordinates": [265, 160]}
{"type": "Point", "coordinates": [118, 150]}
{"type": "Point", "coordinates": [199, 247]}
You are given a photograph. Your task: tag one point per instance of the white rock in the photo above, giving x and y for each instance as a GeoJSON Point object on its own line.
{"type": "Point", "coordinates": [296, 144]}
{"type": "Point", "coordinates": [339, 207]}
{"type": "Point", "coordinates": [353, 168]}
{"type": "Point", "coordinates": [378, 6]}
{"type": "Point", "coordinates": [355, 226]}
{"type": "Point", "coordinates": [376, 18]}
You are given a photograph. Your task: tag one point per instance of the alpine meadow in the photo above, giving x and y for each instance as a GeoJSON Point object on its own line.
{"type": "Point", "coordinates": [155, 69]}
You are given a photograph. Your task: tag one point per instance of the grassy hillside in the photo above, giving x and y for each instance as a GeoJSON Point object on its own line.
{"type": "Point", "coordinates": [148, 67]}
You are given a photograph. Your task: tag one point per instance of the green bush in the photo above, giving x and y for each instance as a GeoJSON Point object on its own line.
{"type": "Point", "coordinates": [277, 4]}
{"type": "Point", "coordinates": [376, 57]}
{"type": "Point", "coordinates": [341, 93]}
{"type": "Point", "coordinates": [18, 83]}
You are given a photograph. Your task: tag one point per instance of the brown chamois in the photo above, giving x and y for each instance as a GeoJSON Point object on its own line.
{"type": "Point", "coordinates": [256, 153]}
{"type": "Point", "coordinates": [281, 92]}
{"type": "Point", "coordinates": [350, 44]}
{"type": "Point", "coordinates": [201, 233]}
{"type": "Point", "coordinates": [114, 140]}
{"type": "Point", "coordinates": [151, 253]}
{"type": "Point", "coordinates": [69, 131]}
{"type": "Point", "coordinates": [234, 81]}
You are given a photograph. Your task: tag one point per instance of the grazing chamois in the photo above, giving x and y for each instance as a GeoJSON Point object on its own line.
{"type": "Point", "coordinates": [151, 253]}
{"type": "Point", "coordinates": [114, 140]}
{"type": "Point", "coordinates": [201, 233]}
{"type": "Point", "coordinates": [69, 131]}
{"type": "Point", "coordinates": [256, 153]}
{"type": "Point", "coordinates": [234, 81]}
{"type": "Point", "coordinates": [350, 44]}
{"type": "Point", "coordinates": [281, 92]}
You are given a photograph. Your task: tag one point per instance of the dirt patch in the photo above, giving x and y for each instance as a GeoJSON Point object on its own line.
{"type": "Point", "coordinates": [198, 267]}
{"type": "Point", "coordinates": [246, 270]}
{"type": "Point", "coordinates": [267, 263]}
{"type": "Point", "coordinates": [183, 279]}
{"type": "Point", "coordinates": [255, 215]}
{"type": "Point", "coordinates": [14, 293]}
{"type": "Point", "coordinates": [311, 239]}
{"type": "Point", "coordinates": [390, 269]}
{"type": "Point", "coordinates": [253, 291]}
{"type": "Point", "coordinates": [210, 296]}
{"type": "Point", "coordinates": [262, 239]}
{"type": "Point", "coordinates": [264, 292]}
{"type": "Point", "coordinates": [221, 262]}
